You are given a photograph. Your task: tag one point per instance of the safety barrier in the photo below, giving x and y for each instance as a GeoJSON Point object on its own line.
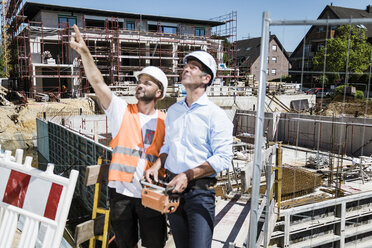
{"type": "Point", "coordinates": [34, 204]}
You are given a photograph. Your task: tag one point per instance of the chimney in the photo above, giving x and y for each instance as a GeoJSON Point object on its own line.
{"type": "Point", "coordinates": [369, 9]}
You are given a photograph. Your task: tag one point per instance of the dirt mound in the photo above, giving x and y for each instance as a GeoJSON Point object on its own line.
{"type": "Point", "coordinates": [18, 123]}
{"type": "Point", "coordinates": [351, 106]}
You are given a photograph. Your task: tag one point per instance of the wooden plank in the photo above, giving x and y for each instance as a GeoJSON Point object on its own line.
{"type": "Point", "coordinates": [96, 174]}
{"type": "Point", "coordinates": [3, 88]}
{"type": "Point", "coordinates": [84, 232]}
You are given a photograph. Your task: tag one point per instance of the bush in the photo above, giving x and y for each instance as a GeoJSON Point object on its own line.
{"type": "Point", "coordinates": [359, 94]}
{"type": "Point", "coordinates": [340, 89]}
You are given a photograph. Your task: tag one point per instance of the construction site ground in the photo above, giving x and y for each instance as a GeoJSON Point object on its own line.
{"type": "Point", "coordinates": [18, 130]}
{"type": "Point", "coordinates": [351, 106]}
{"type": "Point", "coordinates": [295, 180]}
{"type": "Point", "coordinates": [18, 124]}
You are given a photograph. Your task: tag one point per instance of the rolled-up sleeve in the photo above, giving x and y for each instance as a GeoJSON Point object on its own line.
{"type": "Point", "coordinates": [221, 142]}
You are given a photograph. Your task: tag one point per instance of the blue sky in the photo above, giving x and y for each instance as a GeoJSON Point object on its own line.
{"type": "Point", "coordinates": [249, 12]}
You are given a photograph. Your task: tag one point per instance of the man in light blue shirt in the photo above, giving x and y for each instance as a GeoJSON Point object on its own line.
{"type": "Point", "coordinates": [197, 146]}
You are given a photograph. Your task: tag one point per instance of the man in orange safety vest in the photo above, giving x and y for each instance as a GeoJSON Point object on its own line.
{"type": "Point", "coordinates": [138, 134]}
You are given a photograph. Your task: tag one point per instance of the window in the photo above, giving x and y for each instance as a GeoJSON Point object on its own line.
{"type": "Point", "coordinates": [162, 29]}
{"type": "Point", "coordinates": [273, 59]}
{"type": "Point", "coordinates": [94, 23]}
{"type": "Point", "coordinates": [321, 29]}
{"type": "Point", "coordinates": [307, 50]}
{"type": "Point", "coordinates": [65, 21]}
{"type": "Point", "coordinates": [273, 71]}
{"type": "Point", "coordinates": [131, 25]}
{"type": "Point", "coordinates": [319, 47]}
{"type": "Point", "coordinates": [168, 30]}
{"type": "Point", "coordinates": [153, 28]}
{"type": "Point", "coordinates": [274, 47]}
{"type": "Point", "coordinates": [199, 31]}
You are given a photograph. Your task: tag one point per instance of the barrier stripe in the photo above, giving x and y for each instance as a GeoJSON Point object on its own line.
{"type": "Point", "coordinates": [53, 200]}
{"type": "Point", "coordinates": [37, 195]}
{"type": "Point", "coordinates": [16, 188]}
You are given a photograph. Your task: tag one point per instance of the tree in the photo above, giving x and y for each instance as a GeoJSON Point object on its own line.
{"type": "Point", "coordinates": [337, 51]}
{"type": "Point", "coordinates": [3, 59]}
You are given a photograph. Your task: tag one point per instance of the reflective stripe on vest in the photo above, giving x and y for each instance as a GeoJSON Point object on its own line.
{"type": "Point", "coordinates": [127, 151]}
{"type": "Point", "coordinates": [128, 145]}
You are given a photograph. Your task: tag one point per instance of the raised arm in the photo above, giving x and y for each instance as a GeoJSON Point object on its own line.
{"type": "Point", "coordinates": [94, 76]}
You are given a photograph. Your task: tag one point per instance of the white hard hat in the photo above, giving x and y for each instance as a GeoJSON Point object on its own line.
{"type": "Point", "coordinates": [157, 74]}
{"type": "Point", "coordinates": [206, 59]}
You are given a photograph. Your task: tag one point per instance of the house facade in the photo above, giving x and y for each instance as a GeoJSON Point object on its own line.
{"type": "Point", "coordinates": [248, 58]}
{"type": "Point", "coordinates": [314, 40]}
{"type": "Point", "coordinates": [120, 43]}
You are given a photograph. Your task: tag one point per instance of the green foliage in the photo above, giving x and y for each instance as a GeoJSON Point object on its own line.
{"type": "Point", "coordinates": [359, 94]}
{"type": "Point", "coordinates": [340, 89]}
{"type": "Point", "coordinates": [337, 50]}
{"type": "Point", "coordinates": [284, 78]}
{"type": "Point", "coordinates": [319, 80]}
{"type": "Point", "coordinates": [3, 73]}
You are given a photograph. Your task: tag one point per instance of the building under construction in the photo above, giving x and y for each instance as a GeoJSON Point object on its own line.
{"type": "Point", "coordinates": [39, 59]}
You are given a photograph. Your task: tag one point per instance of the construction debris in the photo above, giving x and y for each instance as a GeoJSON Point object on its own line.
{"type": "Point", "coordinates": [46, 97]}
{"type": "Point", "coordinates": [16, 97]}
{"type": "Point", "coordinates": [317, 162]}
{"type": "Point", "coordinates": [3, 93]}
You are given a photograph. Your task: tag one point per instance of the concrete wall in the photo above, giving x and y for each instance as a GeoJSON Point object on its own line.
{"type": "Point", "coordinates": [50, 18]}
{"type": "Point", "coordinates": [238, 102]}
{"type": "Point", "coordinates": [42, 138]}
{"type": "Point", "coordinates": [338, 134]}
{"type": "Point", "coordinates": [345, 135]}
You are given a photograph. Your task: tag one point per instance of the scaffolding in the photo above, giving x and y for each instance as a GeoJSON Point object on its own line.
{"type": "Point", "coordinates": [43, 61]}
{"type": "Point", "coordinates": [228, 33]}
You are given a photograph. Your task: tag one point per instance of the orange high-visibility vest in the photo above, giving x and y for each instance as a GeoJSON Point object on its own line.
{"type": "Point", "coordinates": [128, 145]}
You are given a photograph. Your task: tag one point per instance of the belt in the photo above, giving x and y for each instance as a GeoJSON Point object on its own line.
{"type": "Point", "coordinates": [205, 183]}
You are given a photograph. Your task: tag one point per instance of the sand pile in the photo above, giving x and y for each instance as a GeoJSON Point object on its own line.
{"type": "Point", "coordinates": [18, 124]}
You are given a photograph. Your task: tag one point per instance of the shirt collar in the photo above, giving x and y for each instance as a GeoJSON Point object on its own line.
{"type": "Point", "coordinates": [203, 100]}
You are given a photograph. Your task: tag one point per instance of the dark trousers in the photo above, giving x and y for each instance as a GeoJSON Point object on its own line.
{"type": "Point", "coordinates": [192, 223]}
{"type": "Point", "coordinates": [127, 213]}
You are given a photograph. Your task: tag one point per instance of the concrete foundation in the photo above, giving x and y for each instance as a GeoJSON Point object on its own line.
{"type": "Point", "coordinates": [340, 135]}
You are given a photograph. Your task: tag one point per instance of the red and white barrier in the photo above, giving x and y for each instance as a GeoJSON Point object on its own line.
{"type": "Point", "coordinates": [40, 198]}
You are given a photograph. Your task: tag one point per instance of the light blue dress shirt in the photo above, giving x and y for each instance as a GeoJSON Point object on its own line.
{"type": "Point", "coordinates": [197, 134]}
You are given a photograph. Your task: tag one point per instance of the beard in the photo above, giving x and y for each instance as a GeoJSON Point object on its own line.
{"type": "Point", "coordinates": [145, 95]}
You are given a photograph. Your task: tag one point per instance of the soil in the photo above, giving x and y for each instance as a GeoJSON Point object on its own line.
{"type": "Point", "coordinates": [350, 107]}
{"type": "Point", "coordinates": [18, 123]}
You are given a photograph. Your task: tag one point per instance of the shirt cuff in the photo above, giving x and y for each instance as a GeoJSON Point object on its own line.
{"type": "Point", "coordinates": [164, 149]}
{"type": "Point", "coordinates": [214, 162]}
